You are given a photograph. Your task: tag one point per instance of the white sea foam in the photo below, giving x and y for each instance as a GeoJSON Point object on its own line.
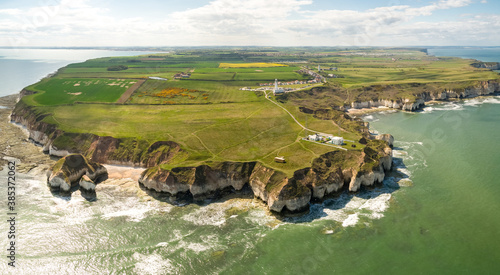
{"type": "Point", "coordinates": [212, 214]}
{"type": "Point", "coordinates": [134, 215]}
{"type": "Point", "coordinates": [260, 217]}
{"type": "Point", "coordinates": [445, 107]}
{"type": "Point", "coordinates": [390, 111]}
{"type": "Point", "coordinates": [427, 109]}
{"type": "Point", "coordinates": [347, 209]}
{"type": "Point", "coordinates": [153, 264]}
{"type": "Point", "coordinates": [370, 118]}
{"type": "Point", "coordinates": [71, 211]}
{"type": "Point", "coordinates": [215, 213]}
{"type": "Point", "coordinates": [351, 220]}
{"type": "Point", "coordinates": [208, 242]}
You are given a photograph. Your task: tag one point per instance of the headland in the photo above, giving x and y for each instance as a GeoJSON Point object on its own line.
{"type": "Point", "coordinates": [201, 127]}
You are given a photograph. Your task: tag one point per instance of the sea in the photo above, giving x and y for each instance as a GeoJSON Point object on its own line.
{"type": "Point", "coordinates": [438, 212]}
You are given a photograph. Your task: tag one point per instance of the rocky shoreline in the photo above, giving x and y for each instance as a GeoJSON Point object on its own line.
{"type": "Point", "coordinates": [15, 144]}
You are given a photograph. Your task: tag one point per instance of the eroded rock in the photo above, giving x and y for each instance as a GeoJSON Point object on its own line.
{"type": "Point", "coordinates": [75, 170]}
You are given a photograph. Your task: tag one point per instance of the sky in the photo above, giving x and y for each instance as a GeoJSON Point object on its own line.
{"type": "Point", "coordinates": [96, 23]}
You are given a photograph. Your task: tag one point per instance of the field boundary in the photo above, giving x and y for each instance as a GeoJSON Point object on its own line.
{"type": "Point", "coordinates": [126, 95]}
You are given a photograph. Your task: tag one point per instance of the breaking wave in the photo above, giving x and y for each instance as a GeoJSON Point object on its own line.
{"type": "Point", "coordinates": [457, 106]}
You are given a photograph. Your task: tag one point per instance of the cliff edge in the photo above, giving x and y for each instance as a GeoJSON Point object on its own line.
{"type": "Point", "coordinates": [329, 173]}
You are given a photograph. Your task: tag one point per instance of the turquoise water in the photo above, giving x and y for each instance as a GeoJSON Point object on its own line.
{"type": "Point", "coordinates": [438, 213]}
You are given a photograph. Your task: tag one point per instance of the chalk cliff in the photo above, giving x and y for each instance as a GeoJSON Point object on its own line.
{"type": "Point", "coordinates": [328, 174]}
{"type": "Point", "coordinates": [103, 149]}
{"type": "Point", "coordinates": [480, 88]}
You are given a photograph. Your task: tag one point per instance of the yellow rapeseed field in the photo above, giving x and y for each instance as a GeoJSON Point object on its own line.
{"type": "Point", "coordinates": [249, 65]}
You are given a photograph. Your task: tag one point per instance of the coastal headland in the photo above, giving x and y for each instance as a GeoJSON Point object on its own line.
{"type": "Point", "coordinates": [201, 129]}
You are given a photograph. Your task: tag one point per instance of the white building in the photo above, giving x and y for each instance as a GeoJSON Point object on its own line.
{"type": "Point", "coordinates": [336, 140]}
{"type": "Point", "coordinates": [314, 137]}
{"type": "Point", "coordinates": [277, 90]}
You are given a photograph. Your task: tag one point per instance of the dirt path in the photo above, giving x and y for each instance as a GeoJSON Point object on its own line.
{"type": "Point", "coordinates": [125, 96]}
{"type": "Point", "coordinates": [302, 126]}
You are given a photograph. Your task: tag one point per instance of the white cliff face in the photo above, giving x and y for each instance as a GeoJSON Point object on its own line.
{"type": "Point", "coordinates": [168, 184]}
{"type": "Point", "coordinates": [406, 104]}
{"type": "Point", "coordinates": [367, 179]}
{"type": "Point", "coordinates": [484, 88]}
{"type": "Point", "coordinates": [377, 175]}
{"type": "Point", "coordinates": [293, 204]}
{"type": "Point", "coordinates": [387, 138]}
{"type": "Point", "coordinates": [200, 190]}
{"type": "Point", "coordinates": [321, 191]}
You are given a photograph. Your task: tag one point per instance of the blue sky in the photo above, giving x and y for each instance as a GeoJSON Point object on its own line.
{"type": "Point", "coordinates": [249, 22]}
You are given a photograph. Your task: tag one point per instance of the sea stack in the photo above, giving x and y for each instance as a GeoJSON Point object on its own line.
{"type": "Point", "coordinates": [75, 171]}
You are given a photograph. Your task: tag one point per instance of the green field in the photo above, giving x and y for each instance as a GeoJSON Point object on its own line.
{"type": "Point", "coordinates": [215, 132]}
{"type": "Point", "coordinates": [57, 91]}
{"type": "Point", "coordinates": [215, 91]}
{"type": "Point", "coordinates": [213, 120]}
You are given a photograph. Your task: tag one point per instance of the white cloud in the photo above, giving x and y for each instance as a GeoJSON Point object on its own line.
{"type": "Point", "coordinates": [242, 22]}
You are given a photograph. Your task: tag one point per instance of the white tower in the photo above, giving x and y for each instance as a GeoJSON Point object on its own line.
{"type": "Point", "coordinates": [275, 84]}
{"type": "Point", "coordinates": [319, 68]}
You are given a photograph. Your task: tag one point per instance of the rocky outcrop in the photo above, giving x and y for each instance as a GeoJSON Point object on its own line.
{"type": "Point", "coordinates": [279, 191]}
{"type": "Point", "coordinates": [328, 174]}
{"type": "Point", "coordinates": [73, 170]}
{"type": "Point", "coordinates": [486, 65]}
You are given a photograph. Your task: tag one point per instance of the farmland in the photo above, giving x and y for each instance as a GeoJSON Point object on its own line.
{"type": "Point", "coordinates": [56, 91]}
{"type": "Point", "coordinates": [199, 103]}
